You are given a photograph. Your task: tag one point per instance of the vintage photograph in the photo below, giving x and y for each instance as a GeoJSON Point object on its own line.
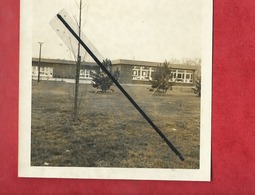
{"type": "Point", "coordinates": [116, 89]}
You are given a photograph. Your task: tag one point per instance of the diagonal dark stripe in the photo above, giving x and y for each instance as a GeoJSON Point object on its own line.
{"type": "Point", "coordinates": [121, 88]}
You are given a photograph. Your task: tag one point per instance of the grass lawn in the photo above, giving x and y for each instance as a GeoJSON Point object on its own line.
{"type": "Point", "coordinates": [109, 131]}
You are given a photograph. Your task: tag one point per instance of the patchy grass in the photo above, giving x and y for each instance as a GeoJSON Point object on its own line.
{"type": "Point", "coordinates": [110, 132]}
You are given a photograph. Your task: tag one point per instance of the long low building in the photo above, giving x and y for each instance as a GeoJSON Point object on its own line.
{"type": "Point", "coordinates": [131, 71]}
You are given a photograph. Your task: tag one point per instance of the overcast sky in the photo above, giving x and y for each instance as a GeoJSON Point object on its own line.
{"type": "Point", "coordinates": [151, 30]}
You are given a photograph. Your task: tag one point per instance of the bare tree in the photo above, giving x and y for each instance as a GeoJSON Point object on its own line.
{"type": "Point", "coordinates": [78, 68]}
{"type": "Point", "coordinates": [78, 21]}
{"type": "Point", "coordinates": [191, 61]}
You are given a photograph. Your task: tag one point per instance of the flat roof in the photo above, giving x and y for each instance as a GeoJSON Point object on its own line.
{"type": "Point", "coordinates": [62, 61]}
{"type": "Point", "coordinates": [116, 62]}
{"type": "Point", "coordinates": [151, 64]}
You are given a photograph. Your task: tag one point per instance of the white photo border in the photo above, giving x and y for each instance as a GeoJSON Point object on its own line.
{"type": "Point", "coordinates": [24, 164]}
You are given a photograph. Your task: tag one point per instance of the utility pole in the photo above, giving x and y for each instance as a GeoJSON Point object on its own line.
{"type": "Point", "coordinates": [39, 64]}
{"type": "Point", "coordinates": [78, 68]}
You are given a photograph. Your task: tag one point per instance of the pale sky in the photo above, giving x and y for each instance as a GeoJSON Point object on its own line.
{"type": "Point", "coordinates": [151, 30]}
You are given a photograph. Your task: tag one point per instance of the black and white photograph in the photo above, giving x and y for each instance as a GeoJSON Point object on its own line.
{"type": "Point", "coordinates": [115, 89]}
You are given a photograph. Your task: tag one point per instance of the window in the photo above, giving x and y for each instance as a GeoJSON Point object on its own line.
{"type": "Point", "coordinates": [142, 73]}
{"type": "Point", "coordinates": [182, 76]}
{"type": "Point", "coordinates": [188, 78]}
{"type": "Point", "coordinates": [136, 72]}
{"type": "Point", "coordinates": [44, 71]}
{"type": "Point", "coordinates": [34, 70]}
{"type": "Point", "coordinates": [174, 75]}
{"type": "Point", "coordinates": [85, 74]}
{"type": "Point", "coordinates": [145, 73]}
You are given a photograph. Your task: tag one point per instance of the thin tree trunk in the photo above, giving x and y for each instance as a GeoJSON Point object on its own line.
{"type": "Point", "coordinates": [78, 68]}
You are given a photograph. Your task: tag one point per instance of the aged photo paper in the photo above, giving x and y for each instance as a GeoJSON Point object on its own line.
{"type": "Point", "coordinates": [115, 89]}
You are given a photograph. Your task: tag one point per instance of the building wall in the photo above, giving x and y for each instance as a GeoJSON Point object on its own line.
{"type": "Point", "coordinates": [46, 70]}
{"type": "Point", "coordinates": [125, 74]}
{"type": "Point", "coordinates": [61, 69]}
{"type": "Point", "coordinates": [131, 72]}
